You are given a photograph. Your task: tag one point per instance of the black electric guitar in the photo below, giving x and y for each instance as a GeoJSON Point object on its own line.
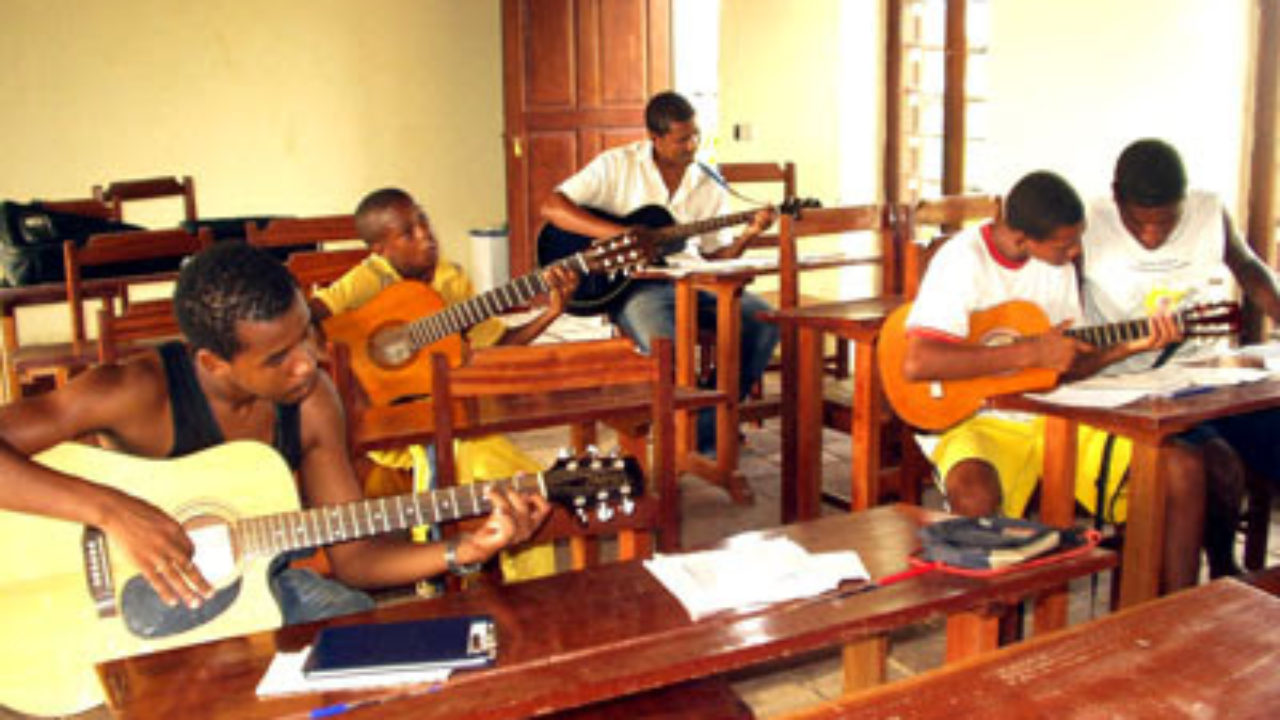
{"type": "Point", "coordinates": [652, 228]}
{"type": "Point", "coordinates": [62, 610]}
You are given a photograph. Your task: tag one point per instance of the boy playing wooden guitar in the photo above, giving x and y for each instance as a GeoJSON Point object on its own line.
{"type": "Point", "coordinates": [992, 461]}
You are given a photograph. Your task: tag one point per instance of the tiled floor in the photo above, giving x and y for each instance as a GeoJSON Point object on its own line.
{"type": "Point", "coordinates": [709, 515]}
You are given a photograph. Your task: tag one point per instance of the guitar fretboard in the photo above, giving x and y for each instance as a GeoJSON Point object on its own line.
{"type": "Point", "coordinates": [457, 318]}
{"type": "Point", "coordinates": [268, 535]}
{"type": "Point", "coordinates": [672, 233]}
{"type": "Point", "coordinates": [1113, 333]}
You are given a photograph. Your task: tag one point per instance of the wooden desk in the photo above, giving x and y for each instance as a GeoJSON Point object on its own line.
{"type": "Point", "coordinates": [54, 293]}
{"type": "Point", "coordinates": [725, 282]}
{"type": "Point", "coordinates": [1150, 423]}
{"type": "Point", "coordinates": [857, 321]}
{"type": "Point", "coordinates": [1207, 652]}
{"type": "Point", "coordinates": [612, 631]}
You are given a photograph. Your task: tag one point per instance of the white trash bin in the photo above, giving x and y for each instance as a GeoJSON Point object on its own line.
{"type": "Point", "coordinates": [490, 267]}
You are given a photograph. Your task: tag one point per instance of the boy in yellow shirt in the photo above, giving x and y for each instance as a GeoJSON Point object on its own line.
{"type": "Point", "coordinates": [398, 232]}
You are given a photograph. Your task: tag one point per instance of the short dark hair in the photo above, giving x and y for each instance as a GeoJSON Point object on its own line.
{"type": "Point", "coordinates": [1149, 173]}
{"type": "Point", "coordinates": [224, 285]}
{"type": "Point", "coordinates": [666, 108]}
{"type": "Point", "coordinates": [1040, 203]}
{"type": "Point", "coordinates": [368, 213]}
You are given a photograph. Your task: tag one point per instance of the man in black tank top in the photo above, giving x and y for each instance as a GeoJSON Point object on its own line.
{"type": "Point", "coordinates": [247, 371]}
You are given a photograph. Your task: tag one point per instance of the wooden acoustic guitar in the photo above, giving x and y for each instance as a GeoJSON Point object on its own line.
{"type": "Point", "coordinates": [239, 504]}
{"type": "Point", "coordinates": [392, 337]}
{"type": "Point", "coordinates": [651, 225]}
{"type": "Point", "coordinates": [937, 405]}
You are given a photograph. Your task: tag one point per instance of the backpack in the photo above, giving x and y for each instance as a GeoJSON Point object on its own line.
{"type": "Point", "coordinates": [31, 240]}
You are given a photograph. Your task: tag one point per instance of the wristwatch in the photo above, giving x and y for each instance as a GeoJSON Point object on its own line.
{"type": "Point", "coordinates": [451, 560]}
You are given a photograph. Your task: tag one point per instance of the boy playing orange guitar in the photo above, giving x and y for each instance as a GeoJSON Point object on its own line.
{"type": "Point", "coordinates": [404, 250]}
{"type": "Point", "coordinates": [991, 462]}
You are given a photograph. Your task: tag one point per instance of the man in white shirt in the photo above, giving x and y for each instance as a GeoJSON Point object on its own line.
{"type": "Point", "coordinates": [663, 171]}
{"type": "Point", "coordinates": [1154, 246]}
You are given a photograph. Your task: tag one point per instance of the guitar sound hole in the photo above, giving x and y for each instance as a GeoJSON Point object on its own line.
{"type": "Point", "coordinates": [146, 615]}
{"type": "Point", "coordinates": [390, 347]}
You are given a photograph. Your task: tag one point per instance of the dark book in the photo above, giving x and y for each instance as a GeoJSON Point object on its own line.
{"type": "Point", "coordinates": [436, 643]}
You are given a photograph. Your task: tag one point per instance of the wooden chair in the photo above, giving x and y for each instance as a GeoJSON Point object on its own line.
{"type": "Point", "coordinates": [929, 223]}
{"type": "Point", "coordinates": [308, 233]}
{"type": "Point", "coordinates": [139, 326]}
{"type": "Point", "coordinates": [541, 375]}
{"type": "Point", "coordinates": [90, 207]}
{"type": "Point", "coordinates": [117, 193]}
{"type": "Point", "coordinates": [314, 269]}
{"type": "Point", "coordinates": [115, 249]}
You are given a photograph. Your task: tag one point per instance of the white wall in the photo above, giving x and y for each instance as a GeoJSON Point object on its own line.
{"type": "Point", "coordinates": [1074, 82]}
{"type": "Point", "coordinates": [286, 106]}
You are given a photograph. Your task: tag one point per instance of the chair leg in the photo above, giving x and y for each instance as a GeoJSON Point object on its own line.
{"type": "Point", "coordinates": [1257, 520]}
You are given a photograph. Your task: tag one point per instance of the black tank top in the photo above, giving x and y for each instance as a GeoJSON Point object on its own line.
{"type": "Point", "coordinates": [195, 428]}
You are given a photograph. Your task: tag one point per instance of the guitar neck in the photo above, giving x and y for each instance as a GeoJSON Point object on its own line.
{"type": "Point", "coordinates": [698, 227]}
{"type": "Point", "coordinates": [269, 535]}
{"type": "Point", "coordinates": [457, 318]}
{"type": "Point", "coordinates": [1115, 333]}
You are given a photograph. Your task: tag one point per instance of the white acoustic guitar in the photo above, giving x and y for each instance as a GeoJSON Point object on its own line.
{"type": "Point", "coordinates": [239, 503]}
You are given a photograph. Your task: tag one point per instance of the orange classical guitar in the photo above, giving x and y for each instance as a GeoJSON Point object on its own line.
{"type": "Point", "coordinates": [392, 337]}
{"type": "Point", "coordinates": [937, 405]}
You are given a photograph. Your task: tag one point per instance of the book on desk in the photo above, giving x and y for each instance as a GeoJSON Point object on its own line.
{"type": "Point", "coordinates": [468, 641]}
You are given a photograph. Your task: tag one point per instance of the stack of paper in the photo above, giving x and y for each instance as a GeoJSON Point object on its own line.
{"type": "Point", "coordinates": [752, 571]}
{"type": "Point", "coordinates": [285, 677]}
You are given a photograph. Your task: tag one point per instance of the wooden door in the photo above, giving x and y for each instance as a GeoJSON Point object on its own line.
{"type": "Point", "coordinates": [577, 74]}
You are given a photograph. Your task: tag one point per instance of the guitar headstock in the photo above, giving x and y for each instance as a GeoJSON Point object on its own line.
{"type": "Point", "coordinates": [793, 206]}
{"type": "Point", "coordinates": [620, 253]}
{"type": "Point", "coordinates": [595, 483]}
{"type": "Point", "coordinates": [1211, 319]}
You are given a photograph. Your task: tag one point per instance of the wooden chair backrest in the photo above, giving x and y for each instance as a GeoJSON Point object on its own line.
{"type": "Point", "coordinates": [317, 268]}
{"type": "Point", "coordinates": [121, 191]}
{"type": "Point", "coordinates": [132, 328]}
{"type": "Point", "coordinates": [293, 232]}
{"type": "Point", "coordinates": [930, 223]}
{"type": "Point", "coordinates": [121, 247]}
{"type": "Point", "coordinates": [89, 207]}
{"type": "Point", "coordinates": [535, 373]}
{"type": "Point", "coordinates": [781, 175]}
{"type": "Point", "coordinates": [817, 222]}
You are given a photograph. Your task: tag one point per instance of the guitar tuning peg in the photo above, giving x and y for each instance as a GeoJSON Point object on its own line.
{"type": "Point", "coordinates": [628, 506]}
{"type": "Point", "coordinates": [564, 453]}
{"type": "Point", "coordinates": [615, 454]}
{"type": "Point", "coordinates": [604, 512]}
{"type": "Point", "coordinates": [571, 466]}
{"type": "Point", "coordinates": [593, 451]}
{"type": "Point", "coordinates": [580, 510]}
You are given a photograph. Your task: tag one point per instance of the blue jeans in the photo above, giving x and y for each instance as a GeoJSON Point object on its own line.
{"type": "Point", "coordinates": [302, 596]}
{"type": "Point", "coordinates": [649, 311]}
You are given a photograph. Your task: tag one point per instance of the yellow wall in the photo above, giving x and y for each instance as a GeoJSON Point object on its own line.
{"type": "Point", "coordinates": [284, 106]}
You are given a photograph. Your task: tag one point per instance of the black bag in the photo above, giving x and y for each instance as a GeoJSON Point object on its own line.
{"type": "Point", "coordinates": [31, 240]}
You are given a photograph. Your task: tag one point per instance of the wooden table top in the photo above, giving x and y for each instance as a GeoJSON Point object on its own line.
{"type": "Point", "coordinates": [1206, 652]}
{"type": "Point", "coordinates": [396, 426]}
{"type": "Point", "coordinates": [606, 632]}
{"type": "Point", "coordinates": [1153, 418]}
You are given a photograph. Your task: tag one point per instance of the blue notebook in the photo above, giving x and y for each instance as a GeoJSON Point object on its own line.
{"type": "Point", "coordinates": [454, 642]}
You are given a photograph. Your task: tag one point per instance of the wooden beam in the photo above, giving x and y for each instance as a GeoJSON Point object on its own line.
{"type": "Point", "coordinates": [892, 165]}
{"type": "Point", "coordinates": [953, 108]}
{"type": "Point", "coordinates": [1261, 225]}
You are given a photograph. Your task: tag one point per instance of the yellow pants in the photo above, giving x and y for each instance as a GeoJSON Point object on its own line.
{"type": "Point", "coordinates": [1016, 450]}
{"type": "Point", "coordinates": [492, 457]}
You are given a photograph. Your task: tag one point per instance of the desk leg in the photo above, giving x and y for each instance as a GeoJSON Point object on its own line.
{"type": "Point", "coordinates": [802, 424]}
{"type": "Point", "coordinates": [864, 663]}
{"type": "Point", "coordinates": [728, 371]}
{"type": "Point", "coordinates": [865, 431]}
{"type": "Point", "coordinates": [972, 633]}
{"type": "Point", "coordinates": [1144, 534]}
{"type": "Point", "coordinates": [686, 342]}
{"type": "Point", "coordinates": [1057, 508]}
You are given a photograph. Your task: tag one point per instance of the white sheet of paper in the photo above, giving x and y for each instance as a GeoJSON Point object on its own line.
{"type": "Point", "coordinates": [285, 677]}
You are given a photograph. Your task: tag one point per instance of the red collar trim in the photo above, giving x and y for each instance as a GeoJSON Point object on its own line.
{"type": "Point", "coordinates": [999, 257]}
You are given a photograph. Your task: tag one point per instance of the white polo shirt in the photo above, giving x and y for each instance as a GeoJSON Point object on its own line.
{"type": "Point", "coordinates": [626, 178]}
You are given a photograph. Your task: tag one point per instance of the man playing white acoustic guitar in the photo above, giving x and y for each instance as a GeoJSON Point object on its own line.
{"type": "Point", "coordinates": [992, 461]}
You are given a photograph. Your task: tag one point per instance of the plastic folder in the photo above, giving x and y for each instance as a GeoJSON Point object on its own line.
{"type": "Point", "coordinates": [454, 642]}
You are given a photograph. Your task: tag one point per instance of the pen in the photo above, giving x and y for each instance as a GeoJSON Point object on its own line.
{"type": "Point", "coordinates": [336, 709]}
{"type": "Point", "coordinates": [1188, 392]}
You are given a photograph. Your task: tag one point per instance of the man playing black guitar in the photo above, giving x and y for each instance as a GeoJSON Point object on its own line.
{"type": "Point", "coordinates": [662, 172]}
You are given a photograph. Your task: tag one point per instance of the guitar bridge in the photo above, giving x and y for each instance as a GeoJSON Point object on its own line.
{"type": "Point", "coordinates": [97, 572]}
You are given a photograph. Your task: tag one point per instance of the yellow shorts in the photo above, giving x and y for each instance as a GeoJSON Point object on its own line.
{"type": "Point", "coordinates": [1016, 450]}
{"type": "Point", "coordinates": [492, 457]}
